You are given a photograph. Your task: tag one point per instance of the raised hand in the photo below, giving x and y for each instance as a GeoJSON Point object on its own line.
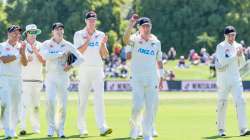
{"type": "Point", "coordinates": [22, 48]}
{"type": "Point", "coordinates": [104, 40]}
{"type": "Point", "coordinates": [240, 51]}
{"type": "Point", "coordinates": [88, 37]}
{"type": "Point", "coordinates": [133, 19]}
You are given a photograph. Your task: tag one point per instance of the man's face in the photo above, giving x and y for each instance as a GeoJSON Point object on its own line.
{"type": "Point", "coordinates": [59, 31]}
{"type": "Point", "coordinates": [145, 28]}
{"type": "Point", "coordinates": [91, 22]}
{"type": "Point", "coordinates": [14, 36]}
{"type": "Point", "coordinates": [231, 37]}
{"type": "Point", "coordinates": [31, 36]}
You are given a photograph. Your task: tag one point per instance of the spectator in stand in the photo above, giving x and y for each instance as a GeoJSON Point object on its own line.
{"type": "Point", "coordinates": [171, 54]}
{"type": "Point", "coordinates": [212, 66]}
{"type": "Point", "coordinates": [191, 52]}
{"type": "Point", "coordinates": [123, 70]}
{"type": "Point", "coordinates": [195, 59]}
{"type": "Point", "coordinates": [171, 75]}
{"type": "Point", "coordinates": [74, 81]}
{"type": "Point", "coordinates": [123, 55]}
{"type": "Point", "coordinates": [247, 53]}
{"type": "Point", "coordinates": [117, 49]}
{"type": "Point", "coordinates": [242, 42]}
{"type": "Point", "coordinates": [204, 56]}
{"type": "Point", "coordinates": [182, 63]}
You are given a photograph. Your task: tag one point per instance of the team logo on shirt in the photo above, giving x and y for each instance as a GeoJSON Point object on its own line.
{"type": "Point", "coordinates": [153, 44]}
{"type": "Point", "coordinates": [7, 49]}
{"type": "Point", "coordinates": [62, 45]}
{"type": "Point", "coordinates": [140, 42]}
{"type": "Point", "coordinates": [93, 44]}
{"type": "Point", "coordinates": [51, 46]}
{"type": "Point", "coordinates": [146, 52]}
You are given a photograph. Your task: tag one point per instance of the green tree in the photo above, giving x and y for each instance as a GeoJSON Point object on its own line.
{"type": "Point", "coordinates": [206, 40]}
{"type": "Point", "coordinates": [178, 22]}
{"type": "Point", "coordinates": [3, 21]}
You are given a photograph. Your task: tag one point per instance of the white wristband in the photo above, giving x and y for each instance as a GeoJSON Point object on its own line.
{"type": "Point", "coordinates": [161, 72]}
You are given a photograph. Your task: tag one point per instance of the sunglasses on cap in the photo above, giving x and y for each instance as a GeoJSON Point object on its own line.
{"type": "Point", "coordinates": [32, 32]}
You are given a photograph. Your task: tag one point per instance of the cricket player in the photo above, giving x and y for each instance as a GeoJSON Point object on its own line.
{"type": "Point", "coordinates": [92, 44]}
{"type": "Point", "coordinates": [229, 56]}
{"type": "Point", "coordinates": [145, 54]}
{"type": "Point", "coordinates": [12, 56]}
{"type": "Point", "coordinates": [31, 75]}
{"type": "Point", "coordinates": [55, 51]}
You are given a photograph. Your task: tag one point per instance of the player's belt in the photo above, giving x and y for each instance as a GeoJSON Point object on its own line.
{"type": "Point", "coordinates": [31, 80]}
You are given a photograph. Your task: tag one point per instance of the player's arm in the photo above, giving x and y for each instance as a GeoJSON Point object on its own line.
{"type": "Point", "coordinates": [128, 50]}
{"type": "Point", "coordinates": [129, 55]}
{"type": "Point", "coordinates": [103, 49]}
{"type": "Point", "coordinates": [240, 56]}
{"type": "Point", "coordinates": [23, 58]}
{"type": "Point", "coordinates": [160, 65]}
{"type": "Point", "coordinates": [38, 55]}
{"type": "Point", "coordinates": [8, 59]}
{"type": "Point", "coordinates": [128, 31]}
{"type": "Point", "coordinates": [78, 42]}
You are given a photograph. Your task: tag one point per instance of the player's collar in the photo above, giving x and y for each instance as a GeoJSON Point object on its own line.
{"type": "Point", "coordinates": [149, 39]}
{"type": "Point", "coordinates": [228, 44]}
{"type": "Point", "coordinates": [61, 42]}
{"type": "Point", "coordinates": [86, 32]}
{"type": "Point", "coordinates": [7, 42]}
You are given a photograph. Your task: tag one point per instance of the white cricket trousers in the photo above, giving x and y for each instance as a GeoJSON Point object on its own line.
{"type": "Point", "coordinates": [224, 88]}
{"type": "Point", "coordinates": [91, 77]}
{"type": "Point", "coordinates": [13, 89]}
{"type": "Point", "coordinates": [31, 103]}
{"type": "Point", "coordinates": [145, 94]}
{"type": "Point", "coordinates": [5, 105]}
{"type": "Point", "coordinates": [56, 89]}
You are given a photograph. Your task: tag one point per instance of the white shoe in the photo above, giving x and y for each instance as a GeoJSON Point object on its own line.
{"type": "Point", "coordinates": [134, 133]}
{"type": "Point", "coordinates": [12, 133]}
{"type": "Point", "coordinates": [60, 134]}
{"type": "Point", "coordinates": [140, 134]}
{"type": "Point", "coordinates": [155, 134]}
{"type": "Point", "coordinates": [222, 133]}
{"type": "Point", "coordinates": [51, 132]}
{"type": "Point", "coordinates": [36, 131]}
{"type": "Point", "coordinates": [244, 132]}
{"type": "Point", "coordinates": [106, 131]}
{"type": "Point", "coordinates": [83, 133]}
{"type": "Point", "coordinates": [148, 138]}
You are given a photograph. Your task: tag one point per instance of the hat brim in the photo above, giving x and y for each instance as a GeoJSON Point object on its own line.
{"type": "Point", "coordinates": [145, 23]}
{"type": "Point", "coordinates": [91, 18]}
{"type": "Point", "coordinates": [38, 31]}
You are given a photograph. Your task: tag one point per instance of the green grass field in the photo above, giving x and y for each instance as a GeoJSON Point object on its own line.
{"type": "Point", "coordinates": [181, 116]}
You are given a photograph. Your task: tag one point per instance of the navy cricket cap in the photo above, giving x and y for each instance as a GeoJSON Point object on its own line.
{"type": "Point", "coordinates": [57, 25]}
{"type": "Point", "coordinates": [144, 20]}
{"type": "Point", "coordinates": [13, 28]}
{"type": "Point", "coordinates": [229, 29]}
{"type": "Point", "coordinates": [90, 14]}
